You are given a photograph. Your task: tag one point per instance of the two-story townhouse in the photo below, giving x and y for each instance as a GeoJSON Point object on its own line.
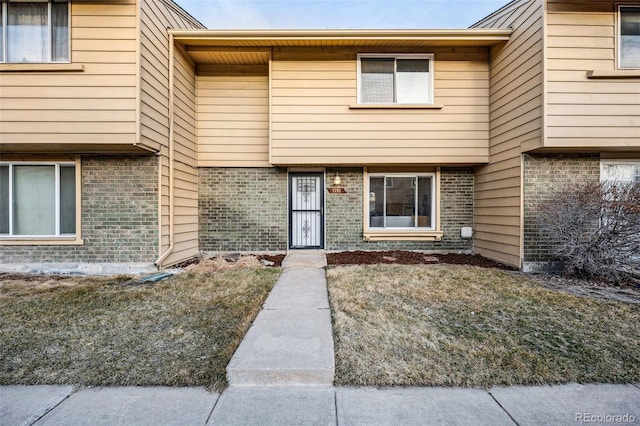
{"type": "Point", "coordinates": [398, 119]}
{"type": "Point", "coordinates": [565, 109]}
{"type": "Point", "coordinates": [84, 130]}
{"type": "Point", "coordinates": [167, 143]}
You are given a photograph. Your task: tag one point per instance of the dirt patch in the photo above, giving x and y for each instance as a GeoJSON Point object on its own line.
{"type": "Point", "coordinates": [276, 259]}
{"type": "Point", "coordinates": [592, 289]}
{"type": "Point", "coordinates": [215, 264]}
{"type": "Point", "coordinates": [400, 257]}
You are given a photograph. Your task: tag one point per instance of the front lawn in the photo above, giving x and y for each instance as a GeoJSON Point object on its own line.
{"type": "Point", "coordinates": [450, 325]}
{"type": "Point", "coordinates": [101, 331]}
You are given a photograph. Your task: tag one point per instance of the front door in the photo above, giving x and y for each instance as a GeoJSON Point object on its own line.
{"type": "Point", "coordinates": [306, 210]}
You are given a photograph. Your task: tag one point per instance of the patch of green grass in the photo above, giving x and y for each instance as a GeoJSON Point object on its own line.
{"type": "Point", "coordinates": [97, 331]}
{"type": "Point", "coordinates": [467, 326]}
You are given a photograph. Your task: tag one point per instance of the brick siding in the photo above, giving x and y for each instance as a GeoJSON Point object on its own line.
{"type": "Point", "coordinates": [344, 213]}
{"type": "Point", "coordinates": [243, 209]}
{"type": "Point", "coordinates": [119, 216]}
{"type": "Point", "coordinates": [544, 175]}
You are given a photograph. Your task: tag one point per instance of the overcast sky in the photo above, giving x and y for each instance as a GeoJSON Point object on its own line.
{"type": "Point", "coordinates": [339, 14]}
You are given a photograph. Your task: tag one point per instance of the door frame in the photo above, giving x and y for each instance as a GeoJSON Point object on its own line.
{"type": "Point", "coordinates": [321, 175]}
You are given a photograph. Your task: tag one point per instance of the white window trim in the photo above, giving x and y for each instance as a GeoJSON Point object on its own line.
{"type": "Point", "coordinates": [430, 94]}
{"type": "Point", "coordinates": [619, 36]}
{"type": "Point", "coordinates": [404, 234]}
{"type": "Point", "coordinates": [604, 163]}
{"type": "Point", "coordinates": [4, 29]}
{"type": "Point", "coordinates": [58, 239]}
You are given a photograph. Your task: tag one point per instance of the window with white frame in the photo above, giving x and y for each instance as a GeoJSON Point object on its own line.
{"type": "Point", "coordinates": [34, 31]}
{"type": "Point", "coordinates": [402, 201]}
{"type": "Point", "coordinates": [620, 171]}
{"type": "Point", "coordinates": [629, 37]}
{"type": "Point", "coordinates": [37, 199]}
{"type": "Point", "coordinates": [395, 79]}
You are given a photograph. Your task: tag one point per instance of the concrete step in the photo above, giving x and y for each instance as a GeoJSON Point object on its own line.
{"type": "Point", "coordinates": [291, 340]}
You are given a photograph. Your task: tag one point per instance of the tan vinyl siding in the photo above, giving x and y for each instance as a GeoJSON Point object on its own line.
{"type": "Point", "coordinates": [233, 121]}
{"type": "Point", "coordinates": [516, 119]}
{"type": "Point", "coordinates": [585, 113]}
{"type": "Point", "coordinates": [312, 122]}
{"type": "Point", "coordinates": [156, 16]}
{"type": "Point", "coordinates": [185, 159]}
{"type": "Point", "coordinates": [80, 108]}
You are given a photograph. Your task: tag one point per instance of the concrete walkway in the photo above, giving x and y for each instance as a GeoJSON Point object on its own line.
{"type": "Point", "coordinates": [282, 373]}
{"type": "Point", "coordinates": [290, 341]}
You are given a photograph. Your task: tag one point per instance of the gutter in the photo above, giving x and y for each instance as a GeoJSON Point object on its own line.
{"type": "Point", "coordinates": [169, 249]}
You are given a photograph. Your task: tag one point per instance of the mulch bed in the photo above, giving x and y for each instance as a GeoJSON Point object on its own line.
{"type": "Point", "coordinates": [400, 257]}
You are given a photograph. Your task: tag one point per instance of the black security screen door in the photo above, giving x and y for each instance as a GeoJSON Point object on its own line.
{"type": "Point", "coordinates": [306, 211]}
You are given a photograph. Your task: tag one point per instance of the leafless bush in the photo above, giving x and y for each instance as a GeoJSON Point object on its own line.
{"type": "Point", "coordinates": [595, 229]}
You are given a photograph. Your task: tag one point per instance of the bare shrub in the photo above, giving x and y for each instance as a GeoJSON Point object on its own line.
{"type": "Point", "coordinates": [595, 229]}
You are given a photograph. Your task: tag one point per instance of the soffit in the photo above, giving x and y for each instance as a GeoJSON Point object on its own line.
{"type": "Point", "coordinates": [253, 47]}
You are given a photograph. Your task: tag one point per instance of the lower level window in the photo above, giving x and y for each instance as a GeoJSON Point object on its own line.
{"type": "Point", "coordinates": [401, 201]}
{"type": "Point", "coordinates": [38, 199]}
{"type": "Point", "coordinates": [620, 171]}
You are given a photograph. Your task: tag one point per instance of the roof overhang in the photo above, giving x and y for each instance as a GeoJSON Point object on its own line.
{"type": "Point", "coordinates": [254, 46]}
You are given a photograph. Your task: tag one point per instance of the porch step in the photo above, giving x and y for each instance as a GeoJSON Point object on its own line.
{"type": "Point", "coordinates": [291, 341]}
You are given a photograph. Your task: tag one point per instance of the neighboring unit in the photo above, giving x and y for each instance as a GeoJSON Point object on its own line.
{"type": "Point", "coordinates": [124, 145]}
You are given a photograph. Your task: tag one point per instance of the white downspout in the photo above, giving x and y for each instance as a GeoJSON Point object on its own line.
{"type": "Point", "coordinates": [169, 250]}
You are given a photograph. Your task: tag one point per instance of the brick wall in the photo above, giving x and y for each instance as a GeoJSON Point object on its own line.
{"type": "Point", "coordinates": [544, 175]}
{"type": "Point", "coordinates": [344, 213]}
{"type": "Point", "coordinates": [119, 216]}
{"type": "Point", "coordinates": [243, 209]}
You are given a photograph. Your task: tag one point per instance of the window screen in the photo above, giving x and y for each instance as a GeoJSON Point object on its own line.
{"type": "Point", "coordinates": [630, 37]}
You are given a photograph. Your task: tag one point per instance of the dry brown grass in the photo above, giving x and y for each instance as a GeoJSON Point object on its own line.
{"type": "Point", "coordinates": [99, 331]}
{"type": "Point", "coordinates": [467, 326]}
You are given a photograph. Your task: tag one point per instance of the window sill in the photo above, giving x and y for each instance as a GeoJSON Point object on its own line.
{"type": "Point", "coordinates": [613, 74]}
{"type": "Point", "coordinates": [31, 67]}
{"type": "Point", "coordinates": [27, 241]}
{"type": "Point", "coordinates": [403, 235]}
{"type": "Point", "coordinates": [395, 106]}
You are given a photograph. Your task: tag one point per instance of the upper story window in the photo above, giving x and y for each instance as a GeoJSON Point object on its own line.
{"type": "Point", "coordinates": [34, 31]}
{"type": "Point", "coordinates": [629, 37]}
{"type": "Point", "coordinates": [395, 79]}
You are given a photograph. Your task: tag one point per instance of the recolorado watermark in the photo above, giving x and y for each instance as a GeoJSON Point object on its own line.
{"type": "Point", "coordinates": [605, 418]}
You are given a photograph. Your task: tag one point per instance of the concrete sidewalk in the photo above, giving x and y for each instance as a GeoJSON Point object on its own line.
{"type": "Point", "coordinates": [282, 373]}
{"type": "Point", "coordinates": [319, 405]}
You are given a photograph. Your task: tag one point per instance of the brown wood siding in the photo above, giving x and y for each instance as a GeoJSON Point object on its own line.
{"type": "Point", "coordinates": [97, 105]}
{"type": "Point", "coordinates": [313, 124]}
{"type": "Point", "coordinates": [516, 119]}
{"type": "Point", "coordinates": [585, 113]}
{"type": "Point", "coordinates": [233, 121]}
{"type": "Point", "coordinates": [155, 17]}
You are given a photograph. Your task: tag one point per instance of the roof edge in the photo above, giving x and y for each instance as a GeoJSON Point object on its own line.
{"type": "Point", "coordinates": [493, 34]}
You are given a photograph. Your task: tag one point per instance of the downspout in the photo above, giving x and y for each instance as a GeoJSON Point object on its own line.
{"type": "Point", "coordinates": [169, 249]}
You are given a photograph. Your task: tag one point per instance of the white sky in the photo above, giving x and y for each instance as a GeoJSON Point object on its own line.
{"type": "Point", "coordinates": [339, 14]}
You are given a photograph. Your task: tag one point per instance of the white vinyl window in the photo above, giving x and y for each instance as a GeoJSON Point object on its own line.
{"type": "Point", "coordinates": [35, 31]}
{"type": "Point", "coordinates": [620, 171]}
{"type": "Point", "coordinates": [402, 201]}
{"type": "Point", "coordinates": [395, 79]}
{"type": "Point", "coordinates": [629, 37]}
{"type": "Point", "coordinates": [37, 199]}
